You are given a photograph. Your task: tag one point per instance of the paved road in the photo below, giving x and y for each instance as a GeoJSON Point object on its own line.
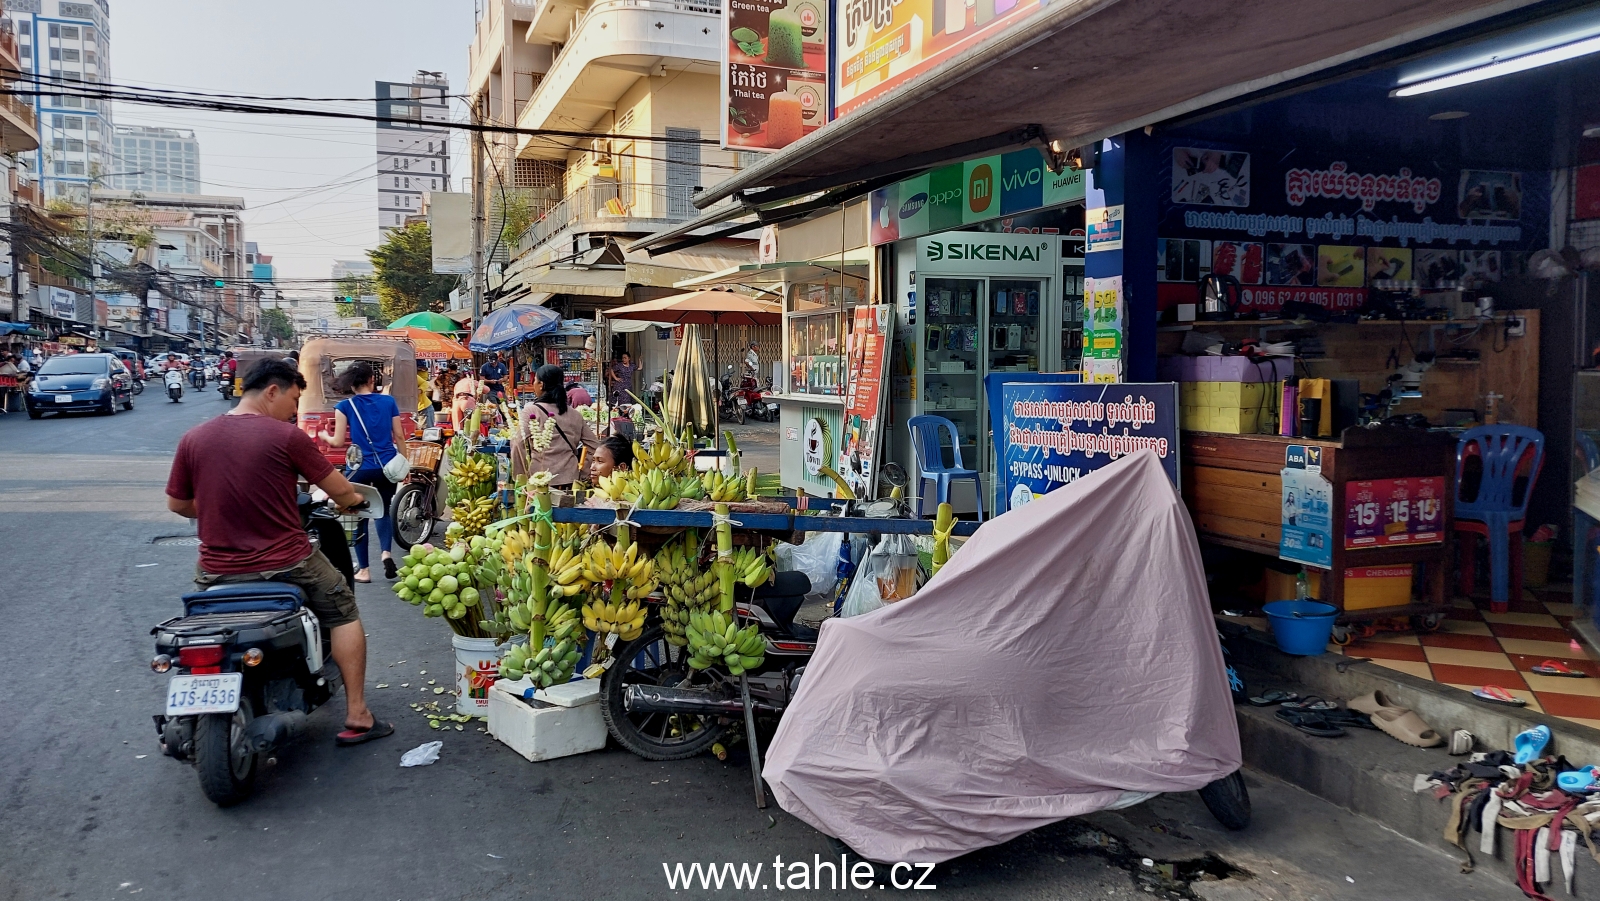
{"type": "Point", "coordinates": [89, 808]}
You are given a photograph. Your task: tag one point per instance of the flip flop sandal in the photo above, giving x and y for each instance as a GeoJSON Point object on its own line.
{"type": "Point", "coordinates": [349, 737]}
{"type": "Point", "coordinates": [1310, 722]}
{"type": "Point", "coordinates": [361, 581]}
{"type": "Point", "coordinates": [1274, 697]}
{"type": "Point", "coordinates": [1494, 694]}
{"type": "Point", "coordinates": [1530, 744]}
{"type": "Point", "coordinates": [1349, 719]}
{"type": "Point", "coordinates": [1312, 702]}
{"type": "Point", "coordinates": [1372, 702]}
{"type": "Point", "coordinates": [1405, 726]}
{"type": "Point", "coordinates": [1557, 668]}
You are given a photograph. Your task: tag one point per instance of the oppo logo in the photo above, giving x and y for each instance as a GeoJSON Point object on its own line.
{"type": "Point", "coordinates": [980, 188]}
{"type": "Point", "coordinates": [944, 197]}
{"type": "Point", "coordinates": [913, 204]}
{"type": "Point", "coordinates": [953, 250]}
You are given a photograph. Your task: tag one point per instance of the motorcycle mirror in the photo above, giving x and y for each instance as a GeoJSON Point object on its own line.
{"type": "Point", "coordinates": [895, 475]}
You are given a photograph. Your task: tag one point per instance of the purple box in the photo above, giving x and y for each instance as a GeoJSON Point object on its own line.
{"type": "Point", "coordinates": [1241, 369]}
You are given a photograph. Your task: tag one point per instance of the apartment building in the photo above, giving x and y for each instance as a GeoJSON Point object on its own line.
{"type": "Point", "coordinates": [413, 145]}
{"type": "Point", "coordinates": [161, 160]}
{"type": "Point", "coordinates": [63, 43]}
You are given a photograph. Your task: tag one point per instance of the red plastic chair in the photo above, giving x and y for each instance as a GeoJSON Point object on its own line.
{"type": "Point", "coordinates": [1498, 509]}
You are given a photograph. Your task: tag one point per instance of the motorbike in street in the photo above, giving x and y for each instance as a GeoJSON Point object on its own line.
{"type": "Point", "coordinates": [731, 404]}
{"type": "Point", "coordinates": [225, 387]}
{"type": "Point", "coordinates": [174, 382]}
{"type": "Point", "coordinates": [415, 505]}
{"type": "Point", "coordinates": [197, 376]}
{"type": "Point", "coordinates": [758, 402]}
{"type": "Point", "coordinates": [656, 394]}
{"type": "Point", "coordinates": [138, 386]}
{"type": "Point", "coordinates": [248, 663]}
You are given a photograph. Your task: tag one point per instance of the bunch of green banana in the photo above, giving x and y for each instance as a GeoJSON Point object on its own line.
{"type": "Point", "coordinates": [685, 599]}
{"type": "Point", "coordinates": [475, 515]}
{"type": "Point", "coordinates": [654, 490]}
{"type": "Point", "coordinates": [663, 454]}
{"type": "Point", "coordinates": [750, 566]}
{"type": "Point", "coordinates": [552, 665]}
{"type": "Point", "coordinates": [471, 475]}
{"type": "Point", "coordinates": [691, 487]}
{"type": "Point", "coordinates": [715, 638]}
{"type": "Point", "coordinates": [721, 488]}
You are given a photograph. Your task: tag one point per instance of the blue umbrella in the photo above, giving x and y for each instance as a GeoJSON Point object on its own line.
{"type": "Point", "coordinates": [507, 327]}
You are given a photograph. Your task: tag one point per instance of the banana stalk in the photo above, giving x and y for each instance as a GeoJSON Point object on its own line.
{"type": "Point", "coordinates": [541, 559]}
{"type": "Point", "coordinates": [942, 524]}
{"type": "Point", "coordinates": [733, 449]}
{"type": "Point", "coordinates": [725, 572]}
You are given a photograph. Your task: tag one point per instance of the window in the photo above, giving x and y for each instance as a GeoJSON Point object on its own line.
{"type": "Point", "coordinates": [55, 52]}
{"type": "Point", "coordinates": [61, 168]}
{"type": "Point", "coordinates": [145, 143]}
{"type": "Point", "coordinates": [27, 52]}
{"type": "Point", "coordinates": [397, 181]}
{"type": "Point", "coordinates": [55, 30]}
{"type": "Point", "coordinates": [72, 102]}
{"type": "Point", "coordinates": [70, 32]}
{"type": "Point", "coordinates": [24, 27]}
{"type": "Point", "coordinates": [433, 165]}
{"type": "Point", "coordinates": [74, 123]}
{"type": "Point", "coordinates": [58, 145]}
{"type": "Point", "coordinates": [74, 146]}
{"type": "Point", "coordinates": [70, 55]}
{"type": "Point", "coordinates": [430, 146]}
{"type": "Point", "coordinates": [57, 120]}
{"type": "Point", "coordinates": [74, 168]}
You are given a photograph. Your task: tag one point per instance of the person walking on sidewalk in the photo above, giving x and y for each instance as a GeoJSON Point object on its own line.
{"type": "Point", "coordinates": [238, 474]}
{"type": "Point", "coordinates": [372, 421]}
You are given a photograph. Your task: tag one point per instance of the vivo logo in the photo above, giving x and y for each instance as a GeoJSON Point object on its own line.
{"type": "Point", "coordinates": [941, 250]}
{"type": "Point", "coordinates": [913, 205]}
{"type": "Point", "coordinates": [1021, 179]}
{"type": "Point", "coordinates": [980, 188]}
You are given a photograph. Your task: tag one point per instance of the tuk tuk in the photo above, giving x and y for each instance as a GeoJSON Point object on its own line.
{"type": "Point", "coordinates": [245, 357]}
{"type": "Point", "coordinates": [323, 362]}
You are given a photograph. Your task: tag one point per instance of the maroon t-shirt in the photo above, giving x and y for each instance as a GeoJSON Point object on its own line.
{"type": "Point", "coordinates": [241, 471]}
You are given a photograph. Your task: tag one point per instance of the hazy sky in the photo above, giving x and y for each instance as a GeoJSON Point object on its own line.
{"type": "Point", "coordinates": [279, 164]}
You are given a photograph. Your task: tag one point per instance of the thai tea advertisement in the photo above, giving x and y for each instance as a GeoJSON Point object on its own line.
{"type": "Point", "coordinates": [774, 72]}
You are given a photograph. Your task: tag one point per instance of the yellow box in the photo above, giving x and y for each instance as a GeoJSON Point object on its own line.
{"type": "Point", "coordinates": [1369, 587]}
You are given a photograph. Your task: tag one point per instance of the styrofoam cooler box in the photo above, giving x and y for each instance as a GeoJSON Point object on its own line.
{"type": "Point", "coordinates": [561, 721]}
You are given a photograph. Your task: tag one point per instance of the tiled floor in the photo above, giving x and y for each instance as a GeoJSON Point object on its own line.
{"type": "Point", "coordinates": [1475, 648]}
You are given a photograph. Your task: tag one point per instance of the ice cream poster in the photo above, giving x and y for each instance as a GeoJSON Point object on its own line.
{"type": "Point", "coordinates": [774, 72]}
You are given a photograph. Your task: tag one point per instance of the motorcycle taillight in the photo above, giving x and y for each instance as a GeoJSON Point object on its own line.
{"type": "Point", "coordinates": [201, 658]}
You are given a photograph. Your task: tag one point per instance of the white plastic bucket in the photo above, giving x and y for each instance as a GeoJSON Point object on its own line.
{"type": "Point", "coordinates": [477, 667]}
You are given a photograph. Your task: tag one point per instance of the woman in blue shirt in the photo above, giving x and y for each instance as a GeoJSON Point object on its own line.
{"type": "Point", "coordinates": [372, 422]}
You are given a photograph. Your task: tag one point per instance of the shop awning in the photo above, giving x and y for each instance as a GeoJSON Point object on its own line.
{"type": "Point", "coordinates": [590, 282]}
{"type": "Point", "coordinates": [1083, 70]}
{"type": "Point", "coordinates": [462, 315]}
{"type": "Point", "coordinates": [773, 273]}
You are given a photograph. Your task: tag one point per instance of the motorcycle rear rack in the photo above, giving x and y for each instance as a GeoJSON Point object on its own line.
{"type": "Point", "coordinates": [222, 623]}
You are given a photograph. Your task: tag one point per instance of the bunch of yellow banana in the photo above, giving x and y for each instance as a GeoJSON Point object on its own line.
{"type": "Point", "coordinates": [721, 488]}
{"type": "Point", "coordinates": [514, 543]}
{"type": "Point", "coordinates": [654, 490]}
{"type": "Point", "coordinates": [750, 566]}
{"type": "Point", "coordinates": [662, 454]}
{"type": "Point", "coordinates": [617, 486]}
{"type": "Point", "coordinates": [715, 638]}
{"type": "Point", "coordinates": [607, 563]}
{"type": "Point", "coordinates": [567, 564]}
{"type": "Point", "coordinates": [627, 620]}
{"type": "Point", "coordinates": [474, 515]}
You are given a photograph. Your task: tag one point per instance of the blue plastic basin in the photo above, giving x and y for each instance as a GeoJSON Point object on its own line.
{"type": "Point", "coordinates": [1301, 627]}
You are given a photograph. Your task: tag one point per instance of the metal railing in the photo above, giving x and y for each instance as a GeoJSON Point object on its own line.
{"type": "Point", "coordinates": [707, 7]}
{"type": "Point", "coordinates": [610, 201]}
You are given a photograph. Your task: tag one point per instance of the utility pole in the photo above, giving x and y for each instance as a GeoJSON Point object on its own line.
{"type": "Point", "coordinates": [16, 270]}
{"type": "Point", "coordinates": [479, 274]}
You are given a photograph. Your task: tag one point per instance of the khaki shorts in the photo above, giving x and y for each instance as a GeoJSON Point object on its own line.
{"type": "Point", "coordinates": [327, 593]}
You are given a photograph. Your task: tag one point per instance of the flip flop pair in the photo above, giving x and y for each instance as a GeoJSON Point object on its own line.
{"type": "Point", "coordinates": [1494, 694]}
{"type": "Point", "coordinates": [1310, 703]}
{"type": "Point", "coordinates": [378, 729]}
{"type": "Point", "coordinates": [1399, 723]}
{"type": "Point", "coordinates": [1557, 668]}
{"type": "Point", "coordinates": [1274, 697]}
{"type": "Point", "coordinates": [1311, 722]}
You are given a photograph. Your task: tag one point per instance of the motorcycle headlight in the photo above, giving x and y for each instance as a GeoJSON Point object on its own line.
{"type": "Point", "coordinates": [101, 384]}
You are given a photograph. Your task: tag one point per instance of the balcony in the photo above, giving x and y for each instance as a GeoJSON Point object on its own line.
{"type": "Point", "coordinates": [611, 207]}
{"type": "Point", "coordinates": [10, 57]}
{"type": "Point", "coordinates": [19, 128]}
{"type": "Point", "coordinates": [496, 31]}
{"type": "Point", "coordinates": [612, 46]}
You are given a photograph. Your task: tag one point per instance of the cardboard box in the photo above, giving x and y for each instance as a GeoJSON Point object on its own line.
{"type": "Point", "coordinates": [1370, 587]}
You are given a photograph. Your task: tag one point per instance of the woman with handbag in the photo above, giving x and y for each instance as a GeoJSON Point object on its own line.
{"type": "Point", "coordinates": [553, 436]}
{"type": "Point", "coordinates": [371, 423]}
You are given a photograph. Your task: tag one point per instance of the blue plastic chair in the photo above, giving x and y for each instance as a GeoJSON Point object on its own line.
{"type": "Point", "coordinates": [927, 440]}
{"type": "Point", "coordinates": [1496, 512]}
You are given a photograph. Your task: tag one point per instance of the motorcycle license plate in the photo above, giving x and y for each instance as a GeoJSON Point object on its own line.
{"type": "Point", "coordinates": [194, 695]}
{"type": "Point", "coordinates": [742, 402]}
{"type": "Point", "coordinates": [63, 398]}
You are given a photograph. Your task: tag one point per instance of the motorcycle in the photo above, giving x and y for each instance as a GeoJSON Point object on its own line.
{"type": "Point", "coordinates": [731, 404]}
{"type": "Point", "coordinates": [174, 382]}
{"type": "Point", "coordinates": [249, 664]}
{"type": "Point", "coordinates": [415, 505]}
{"type": "Point", "coordinates": [656, 394]}
{"type": "Point", "coordinates": [225, 386]}
{"type": "Point", "coordinates": [138, 386]}
{"type": "Point", "coordinates": [758, 400]}
{"type": "Point", "coordinates": [197, 376]}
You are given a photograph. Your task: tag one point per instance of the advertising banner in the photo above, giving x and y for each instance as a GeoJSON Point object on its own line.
{"type": "Point", "coordinates": [1307, 518]}
{"type": "Point", "coordinates": [969, 192]}
{"type": "Point", "coordinates": [1057, 433]}
{"type": "Point", "coordinates": [1102, 329]}
{"type": "Point", "coordinates": [1385, 512]}
{"type": "Point", "coordinates": [63, 303]}
{"type": "Point", "coordinates": [774, 72]}
{"type": "Point", "coordinates": [865, 355]}
{"type": "Point", "coordinates": [878, 45]}
{"type": "Point", "coordinates": [450, 219]}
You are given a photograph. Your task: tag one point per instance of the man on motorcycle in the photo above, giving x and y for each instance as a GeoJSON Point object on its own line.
{"type": "Point", "coordinates": [752, 362]}
{"type": "Point", "coordinates": [174, 363]}
{"type": "Point", "coordinates": [229, 366]}
{"type": "Point", "coordinates": [250, 527]}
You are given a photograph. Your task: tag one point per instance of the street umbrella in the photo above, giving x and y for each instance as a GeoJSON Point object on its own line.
{"type": "Point", "coordinates": [689, 396]}
{"type": "Point", "coordinates": [430, 346]}
{"type": "Point", "coordinates": [507, 327]}
{"type": "Point", "coordinates": [432, 322]}
{"type": "Point", "coordinates": [714, 307]}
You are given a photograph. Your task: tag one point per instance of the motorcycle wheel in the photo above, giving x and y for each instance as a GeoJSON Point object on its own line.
{"type": "Point", "coordinates": [1228, 801]}
{"type": "Point", "coordinates": [227, 769]}
{"type": "Point", "coordinates": [138, 386]}
{"type": "Point", "coordinates": [412, 514]}
{"type": "Point", "coordinates": [650, 660]}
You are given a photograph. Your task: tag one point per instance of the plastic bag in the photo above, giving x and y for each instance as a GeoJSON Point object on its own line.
{"type": "Point", "coordinates": [890, 573]}
{"type": "Point", "coordinates": [863, 596]}
{"type": "Point", "coordinates": [422, 755]}
{"type": "Point", "coordinates": [817, 558]}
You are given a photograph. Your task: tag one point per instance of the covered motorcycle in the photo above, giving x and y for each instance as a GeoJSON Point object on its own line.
{"type": "Point", "coordinates": [1064, 661]}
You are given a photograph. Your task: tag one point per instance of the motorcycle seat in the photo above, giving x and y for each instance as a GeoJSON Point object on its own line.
{"type": "Point", "coordinates": [244, 597]}
{"type": "Point", "coordinates": [782, 600]}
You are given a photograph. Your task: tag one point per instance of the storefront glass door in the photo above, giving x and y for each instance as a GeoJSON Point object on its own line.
{"type": "Point", "coordinates": [1014, 325]}
{"type": "Point", "coordinates": [951, 368]}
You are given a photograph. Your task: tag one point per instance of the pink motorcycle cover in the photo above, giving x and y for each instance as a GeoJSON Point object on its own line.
{"type": "Point", "coordinates": [1066, 655]}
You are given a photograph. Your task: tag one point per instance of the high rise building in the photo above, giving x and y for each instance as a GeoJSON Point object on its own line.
{"type": "Point", "coordinates": [65, 42]}
{"type": "Point", "coordinates": [160, 160]}
{"type": "Point", "coordinates": [413, 151]}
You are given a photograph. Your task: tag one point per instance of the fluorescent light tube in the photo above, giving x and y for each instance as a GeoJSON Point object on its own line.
{"type": "Point", "coordinates": [1502, 67]}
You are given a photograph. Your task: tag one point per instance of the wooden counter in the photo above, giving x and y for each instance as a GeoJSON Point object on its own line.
{"type": "Point", "coordinates": [1234, 490]}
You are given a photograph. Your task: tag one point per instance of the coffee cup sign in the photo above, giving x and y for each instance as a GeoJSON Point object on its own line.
{"type": "Point", "coordinates": [817, 451]}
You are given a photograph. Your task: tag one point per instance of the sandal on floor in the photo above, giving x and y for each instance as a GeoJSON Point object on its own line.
{"type": "Point", "coordinates": [1530, 744]}
{"type": "Point", "coordinates": [1310, 722]}
{"type": "Point", "coordinates": [390, 571]}
{"type": "Point", "coordinates": [1557, 668]}
{"type": "Point", "coordinates": [1405, 726]}
{"type": "Point", "coordinates": [1348, 719]}
{"type": "Point", "coordinates": [1372, 702]}
{"type": "Point", "coordinates": [349, 737]}
{"type": "Point", "coordinates": [361, 581]}
{"type": "Point", "coordinates": [1312, 702]}
{"type": "Point", "coordinates": [1274, 697]}
{"type": "Point", "coordinates": [1578, 781]}
{"type": "Point", "coordinates": [1494, 694]}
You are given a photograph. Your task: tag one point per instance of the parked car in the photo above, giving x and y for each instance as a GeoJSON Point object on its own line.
{"type": "Point", "coordinates": [80, 382]}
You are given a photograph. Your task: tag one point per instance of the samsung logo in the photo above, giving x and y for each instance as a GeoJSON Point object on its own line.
{"type": "Point", "coordinates": [940, 250]}
{"type": "Point", "coordinates": [913, 205]}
